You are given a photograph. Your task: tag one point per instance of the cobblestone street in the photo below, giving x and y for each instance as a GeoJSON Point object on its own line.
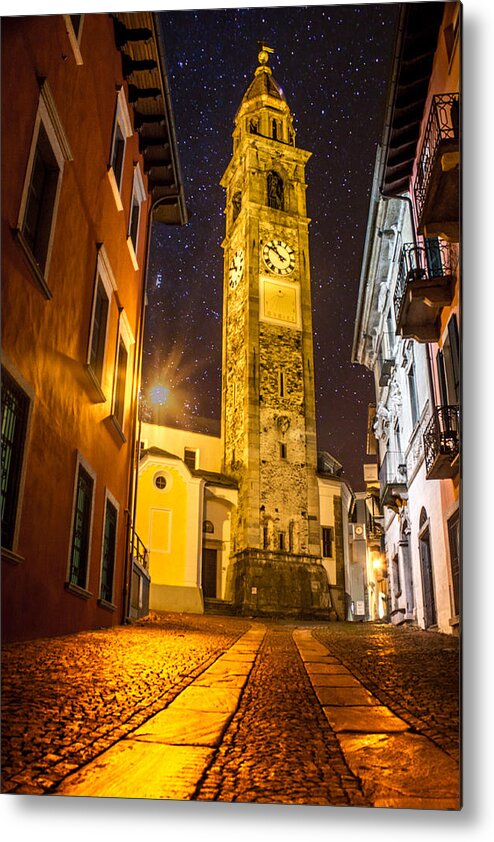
{"type": "Point", "coordinates": [228, 709]}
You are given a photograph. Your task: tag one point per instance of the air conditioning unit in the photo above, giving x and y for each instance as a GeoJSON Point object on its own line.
{"type": "Point", "coordinates": [356, 531]}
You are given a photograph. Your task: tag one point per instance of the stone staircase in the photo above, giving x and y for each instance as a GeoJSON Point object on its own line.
{"type": "Point", "coordinates": [218, 607]}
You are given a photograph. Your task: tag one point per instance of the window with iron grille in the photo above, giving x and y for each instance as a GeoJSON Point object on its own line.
{"type": "Point", "coordinates": [81, 529]}
{"type": "Point", "coordinates": [109, 549]}
{"type": "Point", "coordinates": [15, 409]}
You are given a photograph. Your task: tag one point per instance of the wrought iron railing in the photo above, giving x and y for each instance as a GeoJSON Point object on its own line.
{"type": "Point", "coordinates": [442, 435]}
{"type": "Point", "coordinates": [138, 551]}
{"type": "Point", "coordinates": [442, 125]}
{"type": "Point", "coordinates": [393, 470]}
{"type": "Point", "coordinates": [435, 259]}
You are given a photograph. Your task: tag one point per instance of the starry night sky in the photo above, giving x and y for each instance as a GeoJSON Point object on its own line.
{"type": "Point", "coordinates": [333, 63]}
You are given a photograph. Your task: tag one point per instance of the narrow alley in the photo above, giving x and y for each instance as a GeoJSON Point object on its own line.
{"type": "Point", "coordinates": [212, 708]}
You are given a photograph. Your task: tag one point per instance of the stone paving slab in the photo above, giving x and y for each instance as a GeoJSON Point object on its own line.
{"type": "Point", "coordinates": [403, 770]}
{"type": "Point", "coordinates": [133, 769]}
{"type": "Point", "coordinates": [176, 726]}
{"type": "Point", "coordinates": [219, 699]}
{"type": "Point", "coordinates": [167, 756]}
{"type": "Point", "coordinates": [225, 667]}
{"type": "Point", "coordinates": [321, 667]}
{"type": "Point", "coordinates": [335, 680]}
{"type": "Point", "coordinates": [377, 719]}
{"type": "Point", "coordinates": [354, 696]}
{"type": "Point", "coordinates": [221, 679]}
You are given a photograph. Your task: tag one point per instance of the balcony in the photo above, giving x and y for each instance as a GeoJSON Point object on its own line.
{"type": "Point", "coordinates": [437, 183]}
{"type": "Point", "coordinates": [442, 443]}
{"type": "Point", "coordinates": [393, 479]}
{"type": "Point", "coordinates": [423, 287]}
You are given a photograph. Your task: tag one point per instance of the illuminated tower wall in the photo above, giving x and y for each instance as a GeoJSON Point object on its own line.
{"type": "Point", "coordinates": [269, 424]}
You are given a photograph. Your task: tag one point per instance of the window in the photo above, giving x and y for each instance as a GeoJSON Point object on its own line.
{"type": "Point", "coordinates": [265, 537]}
{"type": "Point", "coordinates": [281, 540]}
{"type": "Point", "coordinates": [454, 553]}
{"type": "Point", "coordinates": [208, 526]}
{"type": "Point", "coordinates": [275, 130]}
{"type": "Point", "coordinates": [236, 204]}
{"type": "Point", "coordinates": [124, 341]}
{"type": "Point", "coordinates": [120, 382]}
{"type": "Point", "coordinates": [160, 481]}
{"type": "Point", "coordinates": [448, 366]}
{"type": "Point", "coordinates": [138, 197]}
{"type": "Point", "coordinates": [122, 129]}
{"type": "Point", "coordinates": [100, 320]}
{"type": "Point", "coordinates": [412, 391]}
{"type": "Point", "coordinates": [73, 25]}
{"type": "Point", "coordinates": [327, 541]}
{"type": "Point", "coordinates": [283, 450]}
{"type": "Point", "coordinates": [281, 383]}
{"type": "Point", "coordinates": [275, 191]}
{"type": "Point", "coordinates": [81, 528]}
{"type": "Point", "coordinates": [109, 550]}
{"type": "Point", "coordinates": [39, 202]}
{"type": "Point", "coordinates": [15, 412]}
{"type": "Point", "coordinates": [104, 287]}
{"type": "Point", "coordinates": [190, 458]}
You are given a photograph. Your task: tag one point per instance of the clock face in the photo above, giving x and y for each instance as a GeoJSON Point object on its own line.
{"type": "Point", "coordinates": [236, 269]}
{"type": "Point", "coordinates": [279, 257]}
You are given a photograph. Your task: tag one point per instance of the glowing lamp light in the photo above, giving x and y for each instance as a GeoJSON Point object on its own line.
{"type": "Point", "coordinates": [159, 395]}
{"type": "Point", "coordinates": [377, 562]}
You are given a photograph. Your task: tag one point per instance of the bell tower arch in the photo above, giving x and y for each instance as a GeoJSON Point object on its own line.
{"type": "Point", "coordinates": [268, 396]}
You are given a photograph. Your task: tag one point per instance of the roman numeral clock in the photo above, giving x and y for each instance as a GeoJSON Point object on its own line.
{"type": "Point", "coordinates": [268, 403]}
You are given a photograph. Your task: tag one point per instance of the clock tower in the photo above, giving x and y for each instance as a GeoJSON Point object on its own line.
{"type": "Point", "coordinates": [268, 401]}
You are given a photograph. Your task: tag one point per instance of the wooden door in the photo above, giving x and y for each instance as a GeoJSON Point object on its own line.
{"type": "Point", "coordinates": [209, 572]}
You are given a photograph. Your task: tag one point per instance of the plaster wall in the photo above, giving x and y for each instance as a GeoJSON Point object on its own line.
{"type": "Point", "coordinates": [45, 342]}
{"type": "Point", "coordinates": [209, 448]}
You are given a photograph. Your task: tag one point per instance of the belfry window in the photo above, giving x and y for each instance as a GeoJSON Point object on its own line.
{"type": "Point", "coordinates": [275, 191]}
{"type": "Point", "coordinates": [275, 130]}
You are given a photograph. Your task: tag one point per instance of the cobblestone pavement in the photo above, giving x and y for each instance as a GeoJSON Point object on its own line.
{"type": "Point", "coordinates": [66, 701]}
{"type": "Point", "coordinates": [279, 746]}
{"type": "Point", "coordinates": [415, 673]}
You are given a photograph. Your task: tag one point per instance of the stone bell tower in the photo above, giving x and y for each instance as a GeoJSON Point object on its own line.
{"type": "Point", "coordinates": [268, 403]}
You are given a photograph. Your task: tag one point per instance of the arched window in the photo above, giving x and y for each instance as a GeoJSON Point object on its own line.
{"type": "Point", "coordinates": [208, 526]}
{"type": "Point", "coordinates": [275, 130]}
{"type": "Point", "coordinates": [275, 190]}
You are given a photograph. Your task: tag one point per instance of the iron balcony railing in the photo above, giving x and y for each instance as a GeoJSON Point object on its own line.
{"type": "Point", "coordinates": [418, 264]}
{"type": "Point", "coordinates": [442, 441]}
{"type": "Point", "coordinates": [138, 551]}
{"type": "Point", "coordinates": [393, 470]}
{"type": "Point", "coordinates": [443, 124]}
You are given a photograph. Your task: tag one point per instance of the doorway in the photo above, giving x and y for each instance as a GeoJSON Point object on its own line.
{"type": "Point", "coordinates": [209, 572]}
{"type": "Point", "coordinates": [430, 615]}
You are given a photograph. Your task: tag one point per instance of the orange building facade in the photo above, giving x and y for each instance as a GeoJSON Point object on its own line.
{"type": "Point", "coordinates": [88, 162]}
